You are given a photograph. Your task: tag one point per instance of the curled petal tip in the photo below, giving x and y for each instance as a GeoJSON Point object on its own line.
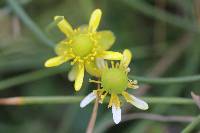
{"type": "Point", "coordinates": [64, 25]}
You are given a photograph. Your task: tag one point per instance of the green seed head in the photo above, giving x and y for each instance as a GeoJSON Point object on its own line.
{"type": "Point", "coordinates": [82, 45]}
{"type": "Point", "coordinates": [114, 80]}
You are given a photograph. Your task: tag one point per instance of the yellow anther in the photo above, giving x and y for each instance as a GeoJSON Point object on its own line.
{"type": "Point", "coordinates": [94, 81]}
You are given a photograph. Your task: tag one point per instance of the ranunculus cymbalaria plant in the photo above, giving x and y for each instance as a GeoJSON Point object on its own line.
{"type": "Point", "coordinates": [87, 50]}
{"type": "Point", "coordinates": [83, 46]}
{"type": "Point", "coordinates": [114, 81]}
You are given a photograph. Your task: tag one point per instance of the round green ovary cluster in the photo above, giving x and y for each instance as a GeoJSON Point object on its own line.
{"type": "Point", "coordinates": [82, 45]}
{"type": "Point", "coordinates": [114, 80]}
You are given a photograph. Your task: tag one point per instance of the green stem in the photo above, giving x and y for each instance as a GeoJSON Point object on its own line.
{"type": "Point", "coordinates": [169, 80]}
{"type": "Point", "coordinates": [159, 14]}
{"type": "Point", "coordinates": [29, 77]}
{"type": "Point", "coordinates": [192, 125]}
{"type": "Point", "coordinates": [15, 6]}
{"type": "Point", "coordinates": [75, 99]}
{"type": "Point", "coordinates": [51, 100]}
{"type": "Point", "coordinates": [39, 74]}
{"type": "Point", "coordinates": [168, 100]}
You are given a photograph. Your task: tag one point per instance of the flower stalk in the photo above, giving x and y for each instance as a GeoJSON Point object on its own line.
{"type": "Point", "coordinates": [92, 121]}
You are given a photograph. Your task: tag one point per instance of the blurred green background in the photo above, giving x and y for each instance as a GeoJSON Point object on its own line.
{"type": "Point", "coordinates": [162, 34]}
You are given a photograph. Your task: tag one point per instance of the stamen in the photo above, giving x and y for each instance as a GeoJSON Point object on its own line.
{"type": "Point", "coordinates": [112, 64]}
{"type": "Point", "coordinates": [106, 64]}
{"type": "Point", "coordinates": [80, 61]}
{"type": "Point", "coordinates": [94, 53]}
{"type": "Point", "coordinates": [94, 81]}
{"type": "Point", "coordinates": [69, 42]}
{"type": "Point", "coordinates": [135, 81]}
{"type": "Point", "coordinates": [111, 101]}
{"type": "Point", "coordinates": [117, 65]}
{"type": "Point", "coordinates": [75, 60]}
{"type": "Point", "coordinates": [95, 92]}
{"type": "Point", "coordinates": [92, 58]}
{"type": "Point", "coordinates": [85, 58]}
{"type": "Point", "coordinates": [103, 96]}
{"type": "Point", "coordinates": [75, 30]}
{"type": "Point", "coordinates": [132, 84]}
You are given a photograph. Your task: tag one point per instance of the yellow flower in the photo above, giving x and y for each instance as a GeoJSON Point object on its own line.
{"type": "Point", "coordinates": [114, 81]}
{"type": "Point", "coordinates": [83, 46]}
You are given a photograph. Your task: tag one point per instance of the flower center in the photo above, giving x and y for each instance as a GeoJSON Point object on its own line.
{"type": "Point", "coordinates": [114, 80]}
{"type": "Point", "coordinates": [82, 45]}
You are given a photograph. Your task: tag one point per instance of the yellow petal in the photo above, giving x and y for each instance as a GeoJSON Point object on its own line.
{"type": "Point", "coordinates": [110, 55]}
{"type": "Point", "coordinates": [110, 101]}
{"type": "Point", "coordinates": [92, 69]}
{"type": "Point", "coordinates": [106, 39]}
{"type": "Point", "coordinates": [73, 73]}
{"type": "Point", "coordinates": [116, 100]}
{"type": "Point", "coordinates": [63, 25]}
{"type": "Point", "coordinates": [126, 96]}
{"type": "Point", "coordinates": [126, 58]}
{"type": "Point", "coordinates": [61, 48]}
{"type": "Point", "coordinates": [95, 20]}
{"type": "Point", "coordinates": [55, 61]}
{"type": "Point", "coordinates": [79, 78]}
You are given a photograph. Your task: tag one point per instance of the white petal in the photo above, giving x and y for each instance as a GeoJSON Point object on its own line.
{"type": "Point", "coordinates": [139, 103]}
{"type": "Point", "coordinates": [89, 98]}
{"type": "Point", "coordinates": [116, 114]}
{"type": "Point", "coordinates": [100, 63]}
